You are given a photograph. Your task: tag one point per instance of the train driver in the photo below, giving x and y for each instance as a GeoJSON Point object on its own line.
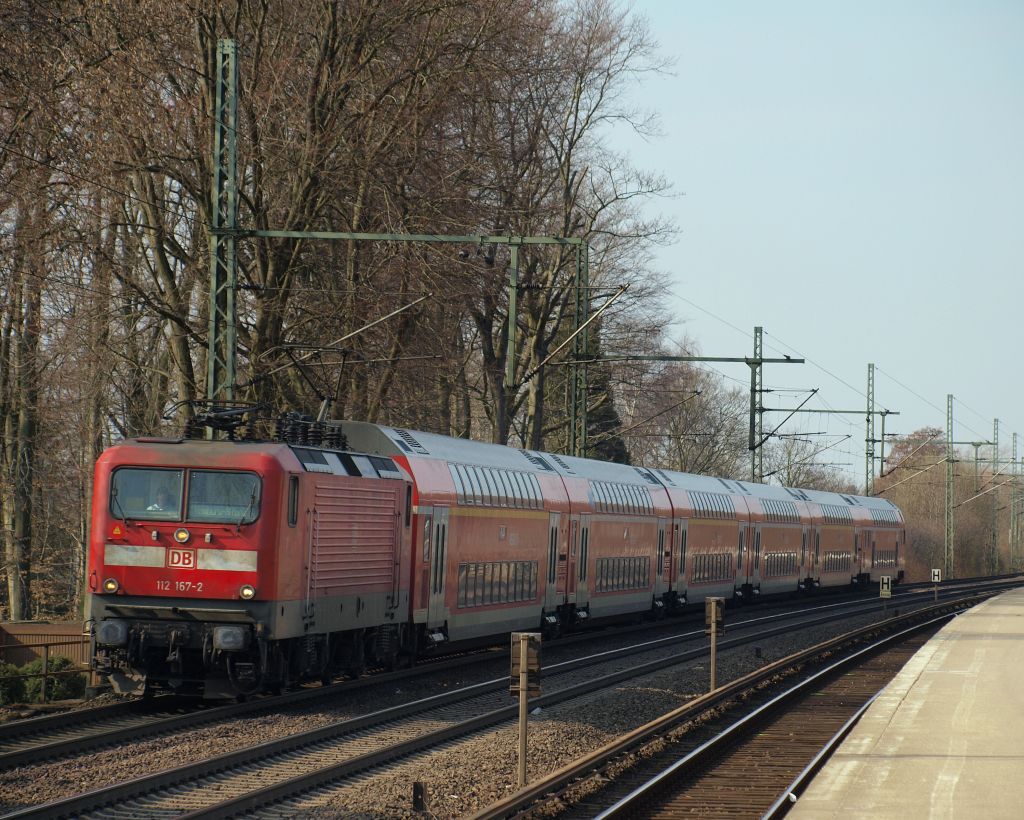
{"type": "Point", "coordinates": [163, 501]}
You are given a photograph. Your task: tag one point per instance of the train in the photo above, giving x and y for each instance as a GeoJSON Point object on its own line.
{"type": "Point", "coordinates": [226, 567]}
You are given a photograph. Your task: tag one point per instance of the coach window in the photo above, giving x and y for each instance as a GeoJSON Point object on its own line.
{"type": "Point", "coordinates": [493, 486]}
{"type": "Point", "coordinates": [221, 497]}
{"type": "Point", "coordinates": [519, 490]}
{"type": "Point", "coordinates": [474, 494]}
{"type": "Point", "coordinates": [512, 489]}
{"type": "Point", "coordinates": [460, 489]}
{"type": "Point", "coordinates": [500, 496]}
{"type": "Point", "coordinates": [469, 487]}
{"type": "Point", "coordinates": [538, 498]}
{"type": "Point", "coordinates": [500, 486]}
{"type": "Point", "coordinates": [408, 505]}
{"type": "Point", "coordinates": [147, 495]}
{"type": "Point", "coordinates": [487, 485]}
{"type": "Point", "coordinates": [293, 502]}
{"type": "Point", "coordinates": [485, 489]}
{"type": "Point", "coordinates": [515, 489]}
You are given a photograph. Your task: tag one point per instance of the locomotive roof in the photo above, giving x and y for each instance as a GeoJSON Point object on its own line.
{"type": "Point", "coordinates": [197, 449]}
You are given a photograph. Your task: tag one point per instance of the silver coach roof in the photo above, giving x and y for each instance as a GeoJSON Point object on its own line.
{"type": "Point", "coordinates": [395, 441]}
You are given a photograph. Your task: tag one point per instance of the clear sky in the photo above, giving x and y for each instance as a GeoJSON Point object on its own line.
{"type": "Point", "coordinates": [851, 177]}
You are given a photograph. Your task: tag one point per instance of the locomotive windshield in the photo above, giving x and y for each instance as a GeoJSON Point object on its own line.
{"type": "Point", "coordinates": [146, 495]}
{"type": "Point", "coordinates": [223, 498]}
{"type": "Point", "coordinates": [212, 496]}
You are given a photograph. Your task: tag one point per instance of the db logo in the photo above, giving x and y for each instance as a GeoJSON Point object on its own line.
{"type": "Point", "coordinates": [182, 559]}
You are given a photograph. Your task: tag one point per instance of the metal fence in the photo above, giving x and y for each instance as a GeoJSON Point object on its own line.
{"type": "Point", "coordinates": [21, 643]}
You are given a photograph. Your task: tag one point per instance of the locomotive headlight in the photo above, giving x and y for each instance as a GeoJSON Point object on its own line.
{"type": "Point", "coordinates": [181, 535]}
{"type": "Point", "coordinates": [247, 592]}
{"type": "Point", "coordinates": [110, 586]}
{"type": "Point", "coordinates": [230, 638]}
{"type": "Point", "coordinates": [112, 633]}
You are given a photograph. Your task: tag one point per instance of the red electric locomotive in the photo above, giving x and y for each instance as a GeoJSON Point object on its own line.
{"type": "Point", "coordinates": [226, 567]}
{"type": "Point", "coordinates": [229, 566]}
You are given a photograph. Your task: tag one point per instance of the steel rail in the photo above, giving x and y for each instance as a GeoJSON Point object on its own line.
{"type": "Point", "coordinates": [18, 749]}
{"type": "Point", "coordinates": [801, 781]}
{"type": "Point", "coordinates": [189, 773]}
{"type": "Point", "coordinates": [743, 727]}
{"type": "Point", "coordinates": [595, 761]}
{"type": "Point", "coordinates": [32, 740]}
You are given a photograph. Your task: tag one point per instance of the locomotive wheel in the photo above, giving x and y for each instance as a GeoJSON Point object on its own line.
{"type": "Point", "coordinates": [280, 680]}
{"type": "Point", "coordinates": [408, 647]}
{"type": "Point", "coordinates": [325, 662]}
{"type": "Point", "coordinates": [356, 664]}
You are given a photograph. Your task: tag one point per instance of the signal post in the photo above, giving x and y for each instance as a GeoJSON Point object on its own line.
{"type": "Point", "coordinates": [524, 680]}
{"type": "Point", "coordinates": [714, 620]}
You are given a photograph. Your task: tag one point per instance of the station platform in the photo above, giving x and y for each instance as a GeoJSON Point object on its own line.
{"type": "Point", "coordinates": [945, 739]}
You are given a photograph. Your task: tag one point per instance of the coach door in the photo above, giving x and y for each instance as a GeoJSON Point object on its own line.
{"type": "Point", "coordinates": [754, 570]}
{"type": "Point", "coordinates": [742, 563]}
{"type": "Point", "coordinates": [438, 564]}
{"type": "Point", "coordinates": [554, 594]}
{"type": "Point", "coordinates": [663, 560]}
{"type": "Point", "coordinates": [582, 572]}
{"type": "Point", "coordinates": [680, 560]}
{"type": "Point", "coordinates": [574, 546]}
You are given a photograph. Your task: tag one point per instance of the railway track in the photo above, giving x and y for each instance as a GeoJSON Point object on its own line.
{"type": "Point", "coordinates": [744, 770]}
{"type": "Point", "coordinates": [77, 732]}
{"type": "Point", "coordinates": [46, 738]}
{"type": "Point", "coordinates": [739, 751]}
{"type": "Point", "coordinates": [282, 769]}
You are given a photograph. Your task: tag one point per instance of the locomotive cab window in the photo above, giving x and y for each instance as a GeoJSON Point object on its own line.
{"type": "Point", "coordinates": [222, 497]}
{"type": "Point", "coordinates": [146, 494]}
{"type": "Point", "coordinates": [293, 500]}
